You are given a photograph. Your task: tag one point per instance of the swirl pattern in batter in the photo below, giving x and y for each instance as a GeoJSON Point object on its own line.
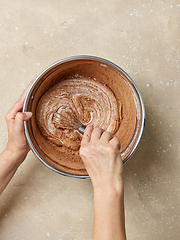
{"type": "Point", "coordinates": [92, 102]}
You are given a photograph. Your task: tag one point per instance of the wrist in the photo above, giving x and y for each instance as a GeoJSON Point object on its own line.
{"type": "Point", "coordinates": [9, 163]}
{"type": "Point", "coordinates": [12, 159]}
{"type": "Point", "coordinates": [115, 191]}
{"type": "Point", "coordinates": [111, 185]}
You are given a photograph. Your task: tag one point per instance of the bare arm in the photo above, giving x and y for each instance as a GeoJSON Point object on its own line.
{"type": "Point", "coordinates": [100, 153]}
{"type": "Point", "coordinates": [17, 147]}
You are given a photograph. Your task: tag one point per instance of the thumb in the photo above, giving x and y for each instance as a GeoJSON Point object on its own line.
{"type": "Point", "coordinates": [19, 121]}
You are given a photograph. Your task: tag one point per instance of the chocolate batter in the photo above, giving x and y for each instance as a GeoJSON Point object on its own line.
{"type": "Point", "coordinates": [89, 100]}
{"type": "Point", "coordinates": [104, 104]}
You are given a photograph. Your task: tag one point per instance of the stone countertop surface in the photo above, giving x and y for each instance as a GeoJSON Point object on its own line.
{"type": "Point", "coordinates": [143, 38]}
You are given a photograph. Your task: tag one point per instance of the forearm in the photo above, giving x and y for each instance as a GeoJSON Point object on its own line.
{"type": "Point", "coordinates": [109, 221]}
{"type": "Point", "coordinates": [9, 163]}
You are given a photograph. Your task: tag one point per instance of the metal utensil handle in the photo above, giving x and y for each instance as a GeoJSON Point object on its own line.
{"type": "Point", "coordinates": [82, 129]}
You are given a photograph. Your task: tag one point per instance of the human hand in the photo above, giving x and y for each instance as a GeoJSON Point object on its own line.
{"type": "Point", "coordinates": [101, 156]}
{"type": "Point", "coordinates": [17, 147]}
{"type": "Point", "coordinates": [17, 143]}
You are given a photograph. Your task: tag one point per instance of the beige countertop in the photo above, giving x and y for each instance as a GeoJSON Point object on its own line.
{"type": "Point", "coordinates": [143, 38]}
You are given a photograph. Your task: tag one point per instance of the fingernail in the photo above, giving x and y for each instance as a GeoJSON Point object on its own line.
{"type": "Point", "coordinates": [28, 114]}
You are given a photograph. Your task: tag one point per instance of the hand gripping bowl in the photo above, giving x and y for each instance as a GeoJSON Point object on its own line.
{"type": "Point", "coordinates": [99, 92]}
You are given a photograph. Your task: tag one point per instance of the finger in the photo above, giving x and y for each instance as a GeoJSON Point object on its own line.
{"type": "Point", "coordinates": [106, 136]}
{"type": "Point", "coordinates": [115, 142]}
{"type": "Point", "coordinates": [96, 134]}
{"type": "Point", "coordinates": [87, 135]}
{"type": "Point", "coordinates": [19, 121]}
{"type": "Point", "coordinates": [17, 106]}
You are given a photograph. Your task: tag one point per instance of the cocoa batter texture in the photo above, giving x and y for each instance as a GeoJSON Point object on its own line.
{"type": "Point", "coordinates": [93, 91]}
{"type": "Point", "coordinates": [90, 101]}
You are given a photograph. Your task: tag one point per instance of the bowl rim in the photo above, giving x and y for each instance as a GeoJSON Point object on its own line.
{"type": "Point", "coordinates": [86, 57]}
